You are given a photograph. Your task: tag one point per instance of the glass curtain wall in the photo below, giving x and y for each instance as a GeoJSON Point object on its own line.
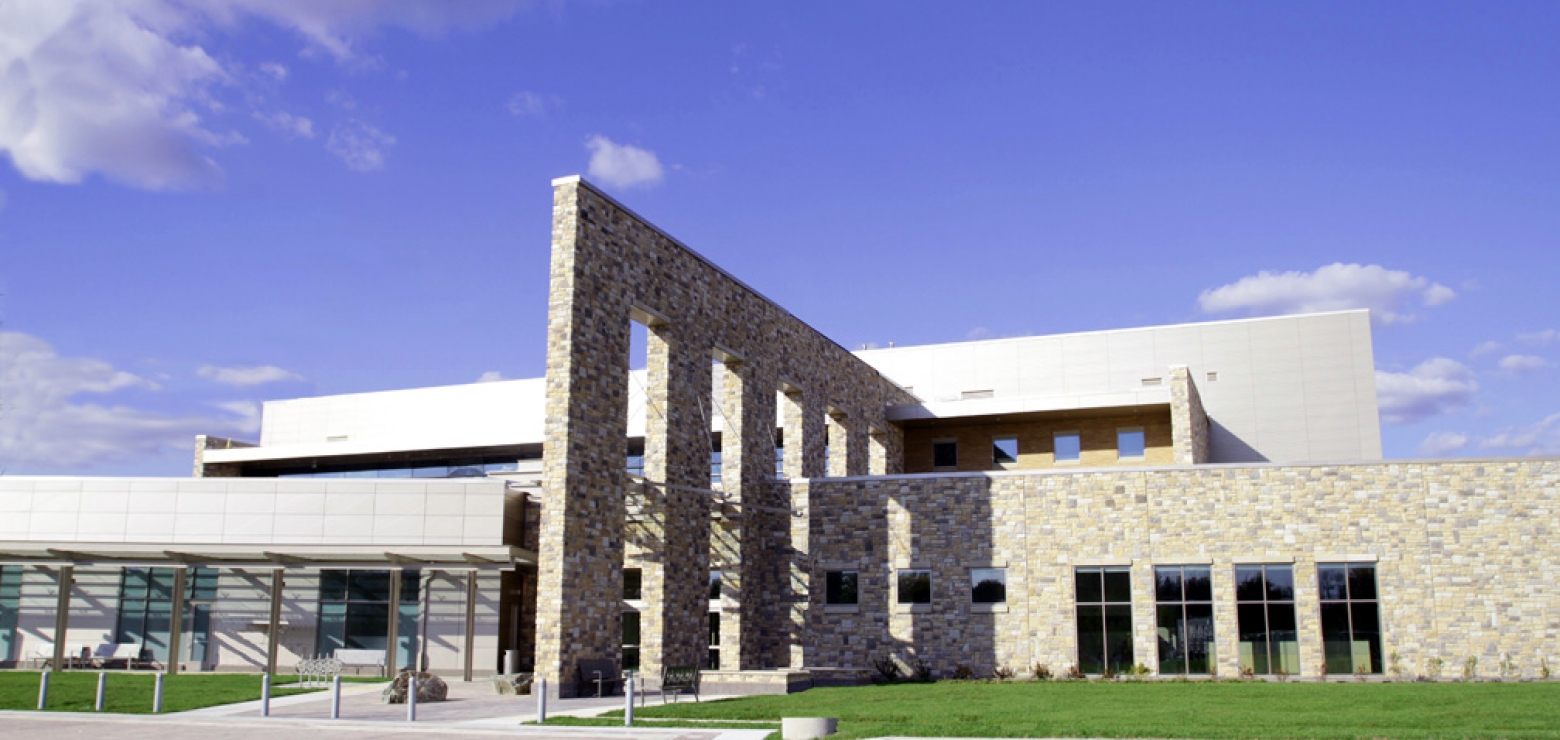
{"type": "Point", "coordinates": [1184, 596]}
{"type": "Point", "coordinates": [10, 607]}
{"type": "Point", "coordinates": [146, 610]}
{"type": "Point", "coordinates": [1104, 598]}
{"type": "Point", "coordinates": [1265, 605]}
{"type": "Point", "coordinates": [355, 612]}
{"type": "Point", "coordinates": [1351, 617]}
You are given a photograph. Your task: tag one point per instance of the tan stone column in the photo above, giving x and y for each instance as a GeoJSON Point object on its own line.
{"type": "Point", "coordinates": [1226, 621]}
{"type": "Point", "coordinates": [804, 435]}
{"type": "Point", "coordinates": [748, 636]}
{"type": "Point", "coordinates": [675, 567]}
{"type": "Point", "coordinates": [1308, 619]}
{"type": "Point", "coordinates": [839, 442]}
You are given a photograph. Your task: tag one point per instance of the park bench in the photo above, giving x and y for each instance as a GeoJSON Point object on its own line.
{"type": "Point", "coordinates": [676, 679]}
{"type": "Point", "coordinates": [602, 673]}
{"type": "Point", "coordinates": [108, 653]}
{"type": "Point", "coordinates": [357, 659]}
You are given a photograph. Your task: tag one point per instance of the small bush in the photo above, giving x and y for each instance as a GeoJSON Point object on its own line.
{"type": "Point", "coordinates": [1002, 673]}
{"type": "Point", "coordinates": [1075, 673]}
{"type": "Point", "coordinates": [1396, 669]}
{"type": "Point", "coordinates": [1508, 667]}
{"type": "Point", "coordinates": [888, 668]}
{"type": "Point", "coordinates": [1471, 668]}
{"type": "Point", "coordinates": [1543, 668]}
{"type": "Point", "coordinates": [923, 670]}
{"type": "Point", "coordinates": [1433, 668]}
{"type": "Point", "coordinates": [963, 673]}
{"type": "Point", "coordinates": [1246, 673]}
{"type": "Point", "coordinates": [1108, 674]}
{"type": "Point", "coordinates": [1040, 672]}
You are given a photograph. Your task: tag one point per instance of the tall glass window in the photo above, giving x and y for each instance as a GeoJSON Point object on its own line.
{"type": "Point", "coordinates": [355, 612]}
{"type": "Point", "coordinates": [10, 607]}
{"type": "Point", "coordinates": [1265, 596]}
{"type": "Point", "coordinates": [1351, 617]}
{"type": "Point", "coordinates": [146, 608]}
{"type": "Point", "coordinates": [1184, 596]}
{"type": "Point", "coordinates": [630, 641]}
{"type": "Point", "coordinates": [1104, 598]}
{"type": "Point", "coordinates": [715, 468]}
{"type": "Point", "coordinates": [713, 662]}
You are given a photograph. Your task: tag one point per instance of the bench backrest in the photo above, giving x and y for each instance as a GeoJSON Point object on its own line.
{"type": "Point", "coordinates": [679, 677]}
{"type": "Point", "coordinates": [359, 657]}
{"type": "Point", "coordinates": [118, 650]}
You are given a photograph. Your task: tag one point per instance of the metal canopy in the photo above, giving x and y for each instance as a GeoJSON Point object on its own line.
{"type": "Point", "coordinates": [312, 557]}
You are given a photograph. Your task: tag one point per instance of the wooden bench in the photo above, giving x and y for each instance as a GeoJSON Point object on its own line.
{"type": "Point", "coordinates": [679, 678]}
{"type": "Point", "coordinates": [357, 659]}
{"type": "Point", "coordinates": [603, 673]}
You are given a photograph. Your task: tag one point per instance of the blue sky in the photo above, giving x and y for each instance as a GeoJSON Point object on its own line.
{"type": "Point", "coordinates": [206, 205]}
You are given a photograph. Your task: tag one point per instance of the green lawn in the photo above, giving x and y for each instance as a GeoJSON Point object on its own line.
{"type": "Point", "coordinates": [131, 693]}
{"type": "Point", "coordinates": [1154, 709]}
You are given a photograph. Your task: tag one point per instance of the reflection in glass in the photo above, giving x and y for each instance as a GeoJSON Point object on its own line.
{"type": "Point", "coordinates": [1104, 604]}
{"type": "Point", "coordinates": [1185, 619]}
{"type": "Point", "coordinates": [1351, 617]}
{"type": "Point", "coordinates": [989, 585]}
{"type": "Point", "coordinates": [840, 587]}
{"type": "Point", "coordinates": [915, 587]}
{"type": "Point", "coordinates": [1266, 615]}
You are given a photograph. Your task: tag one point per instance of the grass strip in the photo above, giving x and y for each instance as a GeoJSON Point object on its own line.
{"type": "Point", "coordinates": [131, 693]}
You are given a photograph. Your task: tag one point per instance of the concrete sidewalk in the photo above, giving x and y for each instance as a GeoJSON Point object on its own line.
{"type": "Point", "coordinates": [61, 725]}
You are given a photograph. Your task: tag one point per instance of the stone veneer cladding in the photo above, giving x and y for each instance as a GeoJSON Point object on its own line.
{"type": "Point", "coordinates": [1188, 421]}
{"type": "Point", "coordinates": [1466, 553]}
{"type": "Point", "coordinates": [609, 266]}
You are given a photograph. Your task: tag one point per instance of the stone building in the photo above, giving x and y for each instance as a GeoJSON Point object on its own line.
{"type": "Point", "coordinates": [1197, 499]}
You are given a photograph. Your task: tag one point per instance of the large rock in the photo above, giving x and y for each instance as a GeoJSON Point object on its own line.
{"type": "Point", "coordinates": [429, 688]}
{"type": "Point", "coordinates": [512, 684]}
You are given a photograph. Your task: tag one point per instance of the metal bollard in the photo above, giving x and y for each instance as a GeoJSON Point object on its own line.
{"type": "Point", "coordinates": [157, 694]}
{"type": "Point", "coordinates": [43, 690]}
{"type": "Point", "coordinates": [265, 695]}
{"type": "Point", "coordinates": [540, 687]}
{"type": "Point", "coordinates": [97, 705]}
{"type": "Point", "coordinates": [628, 702]}
{"type": "Point", "coordinates": [335, 697]}
{"type": "Point", "coordinates": [411, 697]}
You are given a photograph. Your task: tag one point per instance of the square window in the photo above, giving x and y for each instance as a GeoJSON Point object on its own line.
{"type": "Point", "coordinates": [840, 587]}
{"type": "Point", "coordinates": [1068, 446]}
{"type": "Point", "coordinates": [1129, 443]}
{"type": "Point", "coordinates": [715, 585]}
{"type": "Point", "coordinates": [945, 454]}
{"type": "Point", "coordinates": [915, 587]}
{"type": "Point", "coordinates": [1004, 452]}
{"type": "Point", "coordinates": [631, 584]}
{"type": "Point", "coordinates": [988, 585]}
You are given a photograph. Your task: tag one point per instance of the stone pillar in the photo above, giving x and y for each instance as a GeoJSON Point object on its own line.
{"type": "Point", "coordinates": [804, 440]}
{"type": "Point", "coordinates": [580, 552]}
{"type": "Point", "coordinates": [1188, 420]}
{"type": "Point", "coordinates": [675, 564]}
{"type": "Point", "coordinates": [839, 442]}
{"type": "Point", "coordinates": [877, 451]}
{"type": "Point", "coordinates": [857, 447]}
{"type": "Point", "coordinates": [748, 574]}
{"type": "Point", "coordinates": [1226, 621]}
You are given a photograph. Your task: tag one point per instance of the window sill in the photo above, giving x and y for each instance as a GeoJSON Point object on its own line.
{"type": "Point", "coordinates": [912, 608]}
{"type": "Point", "coordinates": [841, 608]}
{"type": "Point", "coordinates": [989, 608]}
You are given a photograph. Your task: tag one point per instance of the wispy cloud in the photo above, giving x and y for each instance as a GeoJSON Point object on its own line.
{"type": "Point", "coordinates": [246, 375]}
{"type": "Point", "coordinates": [360, 145]}
{"type": "Point", "coordinates": [1539, 438]}
{"type": "Point", "coordinates": [1485, 348]}
{"type": "Point", "coordinates": [527, 104]}
{"type": "Point", "coordinates": [1435, 386]}
{"type": "Point", "coordinates": [1443, 443]}
{"type": "Point", "coordinates": [1391, 295]}
{"type": "Point", "coordinates": [274, 70]}
{"type": "Point", "coordinates": [1522, 363]}
{"type": "Point", "coordinates": [1542, 338]}
{"type": "Point", "coordinates": [296, 127]}
{"type": "Point", "coordinates": [50, 421]}
{"type": "Point", "coordinates": [622, 165]}
{"type": "Point", "coordinates": [490, 376]}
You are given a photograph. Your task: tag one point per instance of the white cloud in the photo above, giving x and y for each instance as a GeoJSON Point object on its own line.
{"type": "Point", "coordinates": [1484, 348]}
{"type": "Point", "coordinates": [1540, 338]}
{"type": "Point", "coordinates": [246, 375]}
{"type": "Point", "coordinates": [1389, 294]}
{"type": "Point", "coordinates": [277, 71]}
{"type": "Point", "coordinates": [622, 165]}
{"type": "Point", "coordinates": [490, 376]}
{"type": "Point", "coordinates": [45, 423]}
{"type": "Point", "coordinates": [1435, 386]}
{"type": "Point", "coordinates": [1539, 438]}
{"type": "Point", "coordinates": [296, 127]}
{"type": "Point", "coordinates": [526, 104]}
{"type": "Point", "coordinates": [360, 145]}
{"type": "Point", "coordinates": [124, 88]}
{"type": "Point", "coordinates": [1443, 443]}
{"type": "Point", "coordinates": [1522, 363]}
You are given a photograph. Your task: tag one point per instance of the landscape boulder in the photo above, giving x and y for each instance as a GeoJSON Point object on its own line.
{"type": "Point", "coordinates": [429, 688]}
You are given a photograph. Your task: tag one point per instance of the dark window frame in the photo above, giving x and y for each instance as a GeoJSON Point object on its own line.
{"type": "Point", "coordinates": [1186, 608]}
{"type": "Point", "coordinates": [1105, 602]}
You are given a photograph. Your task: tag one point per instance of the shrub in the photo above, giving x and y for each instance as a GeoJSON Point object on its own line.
{"type": "Point", "coordinates": [1002, 673]}
{"type": "Point", "coordinates": [887, 667]}
{"type": "Point", "coordinates": [963, 673]}
{"type": "Point", "coordinates": [1396, 664]}
{"type": "Point", "coordinates": [923, 671]}
{"type": "Point", "coordinates": [1074, 673]}
{"type": "Point", "coordinates": [1508, 667]}
{"type": "Point", "coordinates": [1246, 673]}
{"type": "Point", "coordinates": [1433, 668]}
{"type": "Point", "coordinates": [1543, 668]}
{"type": "Point", "coordinates": [1470, 668]}
{"type": "Point", "coordinates": [1041, 672]}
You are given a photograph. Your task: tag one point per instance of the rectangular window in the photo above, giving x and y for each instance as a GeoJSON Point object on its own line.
{"type": "Point", "coordinates": [632, 580]}
{"type": "Point", "coordinates": [146, 606]}
{"type": "Point", "coordinates": [1351, 617]}
{"type": "Point", "coordinates": [779, 461]}
{"type": "Point", "coordinates": [988, 585]}
{"type": "Point", "coordinates": [630, 641]}
{"type": "Point", "coordinates": [1004, 452]}
{"type": "Point", "coordinates": [1129, 443]}
{"type": "Point", "coordinates": [1104, 598]}
{"type": "Point", "coordinates": [839, 587]}
{"type": "Point", "coordinates": [945, 454]}
{"type": "Point", "coordinates": [1184, 597]}
{"type": "Point", "coordinates": [713, 663]}
{"type": "Point", "coordinates": [355, 612]}
{"type": "Point", "coordinates": [915, 587]}
{"type": "Point", "coordinates": [715, 585]}
{"type": "Point", "coordinates": [1265, 609]}
{"type": "Point", "coordinates": [10, 610]}
{"type": "Point", "coordinates": [636, 465]}
{"type": "Point", "coordinates": [1068, 446]}
{"type": "Point", "coordinates": [715, 468]}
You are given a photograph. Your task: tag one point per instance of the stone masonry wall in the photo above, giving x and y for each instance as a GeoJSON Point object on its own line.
{"type": "Point", "coordinates": [1466, 553]}
{"type": "Point", "coordinates": [609, 267]}
{"type": "Point", "coordinates": [1188, 418]}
